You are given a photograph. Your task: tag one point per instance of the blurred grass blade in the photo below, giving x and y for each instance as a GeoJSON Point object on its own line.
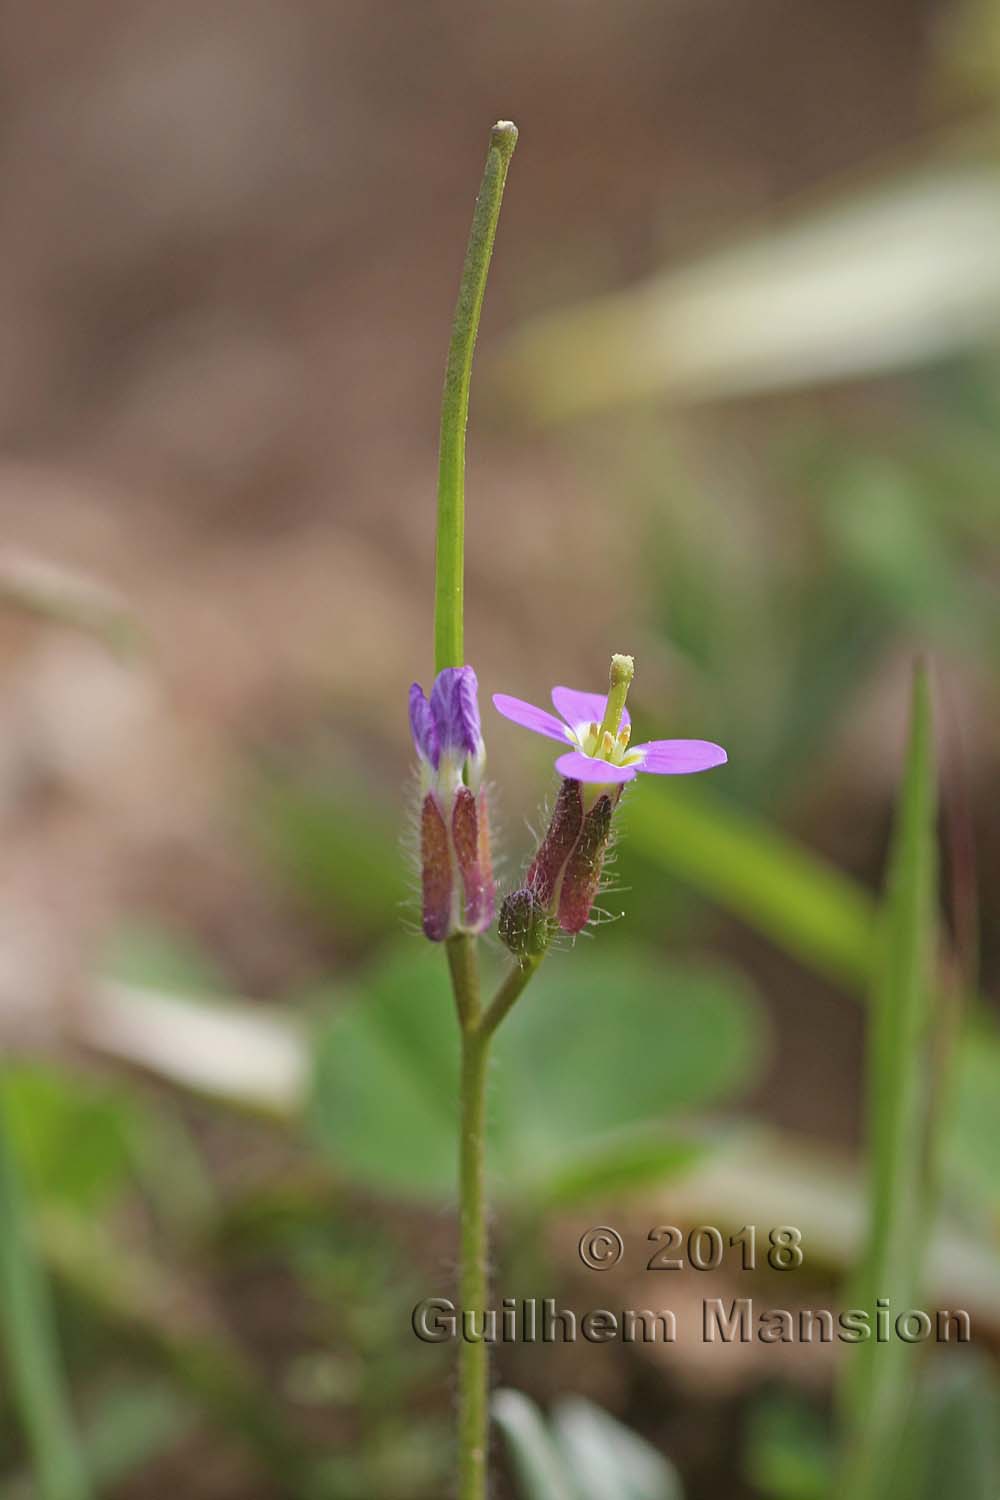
{"type": "Point", "coordinates": [31, 1348]}
{"type": "Point", "coordinates": [534, 1457]}
{"type": "Point", "coordinates": [883, 279]}
{"type": "Point", "coordinates": [955, 1429]}
{"type": "Point", "coordinates": [802, 904]}
{"type": "Point", "coordinates": [879, 1381]}
{"type": "Point", "coordinates": [66, 597]}
{"type": "Point", "coordinates": [135, 1422]}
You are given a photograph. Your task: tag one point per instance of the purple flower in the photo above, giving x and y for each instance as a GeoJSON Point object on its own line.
{"type": "Point", "coordinates": [457, 889]}
{"type": "Point", "coordinates": [600, 749]}
{"type": "Point", "coordinates": [563, 879]}
{"type": "Point", "coordinates": [447, 724]}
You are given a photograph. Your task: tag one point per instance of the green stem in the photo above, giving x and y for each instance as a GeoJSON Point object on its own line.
{"type": "Point", "coordinates": [31, 1346]}
{"type": "Point", "coordinates": [463, 961]}
{"type": "Point", "coordinates": [473, 1358]}
{"type": "Point", "coordinates": [450, 563]}
{"type": "Point", "coordinates": [508, 992]}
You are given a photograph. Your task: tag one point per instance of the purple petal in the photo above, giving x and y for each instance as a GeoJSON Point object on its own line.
{"type": "Point", "coordinates": [530, 717]}
{"type": "Point", "coordinates": [422, 726]}
{"type": "Point", "coordinates": [455, 707]}
{"type": "Point", "coordinates": [583, 708]}
{"type": "Point", "coordinates": [678, 757]}
{"type": "Point", "coordinates": [579, 767]}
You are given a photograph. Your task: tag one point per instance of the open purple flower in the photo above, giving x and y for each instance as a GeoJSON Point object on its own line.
{"type": "Point", "coordinates": [563, 879]}
{"type": "Point", "coordinates": [597, 728]}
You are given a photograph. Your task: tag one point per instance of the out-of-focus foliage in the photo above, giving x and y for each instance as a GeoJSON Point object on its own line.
{"type": "Point", "coordinates": [581, 1454]}
{"type": "Point", "coordinates": [906, 1054]}
{"type": "Point", "coordinates": [900, 275]}
{"type": "Point", "coordinates": [620, 1044]}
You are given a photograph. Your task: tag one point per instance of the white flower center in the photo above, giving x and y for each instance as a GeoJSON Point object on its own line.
{"type": "Point", "coordinates": [612, 748]}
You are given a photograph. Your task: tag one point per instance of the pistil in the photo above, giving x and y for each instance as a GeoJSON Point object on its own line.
{"type": "Point", "coordinates": [622, 672]}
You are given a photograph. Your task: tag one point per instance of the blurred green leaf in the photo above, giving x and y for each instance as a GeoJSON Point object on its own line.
{"type": "Point", "coordinates": [133, 1424]}
{"type": "Point", "coordinates": [795, 898]}
{"type": "Point", "coordinates": [31, 1346]}
{"type": "Point", "coordinates": [955, 1430]}
{"type": "Point", "coordinates": [789, 1450]}
{"type": "Point", "coordinates": [83, 1139]}
{"type": "Point", "coordinates": [154, 955]}
{"type": "Point", "coordinates": [970, 1158]}
{"type": "Point", "coordinates": [588, 1065]}
{"type": "Point", "coordinates": [337, 851]}
{"type": "Point", "coordinates": [71, 1134]}
{"type": "Point", "coordinates": [879, 1379]}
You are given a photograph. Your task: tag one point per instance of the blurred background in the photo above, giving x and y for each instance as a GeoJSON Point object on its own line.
{"type": "Point", "coordinates": [735, 411]}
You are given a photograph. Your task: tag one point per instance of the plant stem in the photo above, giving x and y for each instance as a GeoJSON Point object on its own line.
{"type": "Point", "coordinates": [31, 1346]}
{"type": "Point", "coordinates": [473, 1358]}
{"type": "Point", "coordinates": [450, 561]}
{"type": "Point", "coordinates": [508, 992]}
{"type": "Point", "coordinates": [477, 1029]}
{"type": "Point", "coordinates": [463, 961]}
{"type": "Point", "coordinates": [449, 651]}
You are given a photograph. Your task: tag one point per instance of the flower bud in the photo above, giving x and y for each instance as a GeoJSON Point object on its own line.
{"type": "Point", "coordinates": [525, 926]}
{"type": "Point", "coordinates": [582, 875]}
{"type": "Point", "coordinates": [556, 847]}
{"type": "Point", "coordinates": [457, 887]}
{"type": "Point", "coordinates": [564, 877]}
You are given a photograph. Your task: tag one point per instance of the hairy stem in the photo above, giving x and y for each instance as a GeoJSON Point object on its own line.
{"type": "Point", "coordinates": [450, 562]}
{"type": "Point", "coordinates": [473, 1358]}
{"type": "Point", "coordinates": [506, 995]}
{"type": "Point", "coordinates": [477, 1028]}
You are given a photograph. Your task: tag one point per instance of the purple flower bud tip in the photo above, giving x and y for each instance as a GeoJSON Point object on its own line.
{"type": "Point", "coordinates": [455, 710]}
{"type": "Point", "coordinates": [423, 728]}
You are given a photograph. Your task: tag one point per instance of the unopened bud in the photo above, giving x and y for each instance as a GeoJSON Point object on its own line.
{"type": "Point", "coordinates": [471, 840]}
{"type": "Point", "coordinates": [524, 926]}
{"type": "Point", "coordinates": [435, 871]}
{"type": "Point", "coordinates": [557, 845]}
{"type": "Point", "coordinates": [456, 872]}
{"type": "Point", "coordinates": [583, 870]}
